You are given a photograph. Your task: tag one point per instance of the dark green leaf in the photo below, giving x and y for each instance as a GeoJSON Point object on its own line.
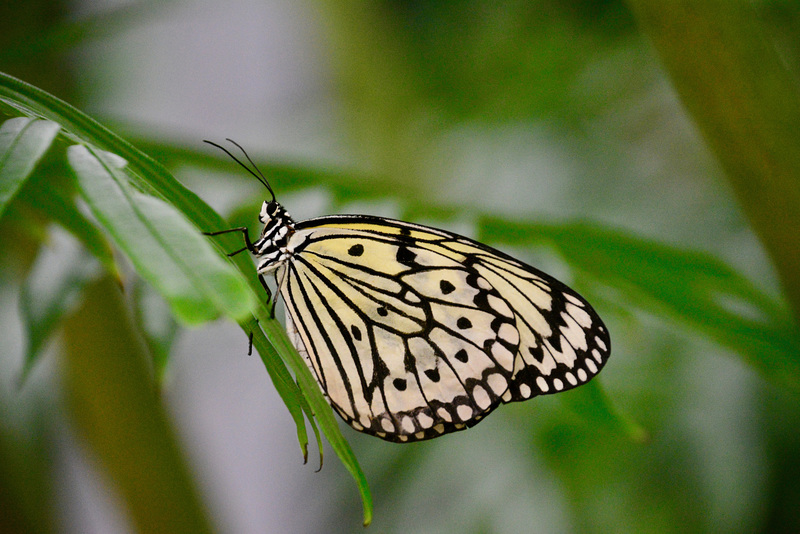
{"type": "Point", "coordinates": [166, 249]}
{"type": "Point", "coordinates": [23, 141]}
{"type": "Point", "coordinates": [118, 414]}
{"type": "Point", "coordinates": [323, 413]}
{"type": "Point", "coordinates": [50, 193]}
{"type": "Point", "coordinates": [743, 95]}
{"type": "Point", "coordinates": [150, 176]}
{"type": "Point", "coordinates": [694, 288]}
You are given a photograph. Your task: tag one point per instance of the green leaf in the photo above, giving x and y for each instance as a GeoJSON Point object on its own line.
{"type": "Point", "coordinates": [27, 464]}
{"type": "Point", "coordinates": [695, 288]}
{"type": "Point", "coordinates": [23, 142]}
{"type": "Point", "coordinates": [50, 193]}
{"type": "Point", "coordinates": [158, 325]}
{"type": "Point", "coordinates": [728, 69]}
{"type": "Point", "coordinates": [118, 414]}
{"type": "Point", "coordinates": [322, 410]}
{"type": "Point", "coordinates": [148, 175]}
{"type": "Point", "coordinates": [52, 290]}
{"type": "Point", "coordinates": [164, 247]}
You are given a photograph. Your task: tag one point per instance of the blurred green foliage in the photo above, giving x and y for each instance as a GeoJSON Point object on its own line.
{"type": "Point", "coordinates": [694, 429]}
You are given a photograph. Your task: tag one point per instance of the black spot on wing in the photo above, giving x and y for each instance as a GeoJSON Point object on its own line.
{"type": "Point", "coordinates": [356, 332]}
{"type": "Point", "coordinates": [446, 287]}
{"type": "Point", "coordinates": [405, 256]}
{"type": "Point", "coordinates": [432, 374]}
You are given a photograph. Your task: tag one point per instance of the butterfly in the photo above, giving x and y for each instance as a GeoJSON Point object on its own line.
{"type": "Point", "coordinates": [414, 332]}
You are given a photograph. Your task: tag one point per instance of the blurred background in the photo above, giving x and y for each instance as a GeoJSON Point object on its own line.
{"type": "Point", "coordinates": [549, 111]}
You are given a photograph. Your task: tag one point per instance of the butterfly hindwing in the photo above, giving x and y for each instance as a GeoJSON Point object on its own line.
{"type": "Point", "coordinates": [415, 332]}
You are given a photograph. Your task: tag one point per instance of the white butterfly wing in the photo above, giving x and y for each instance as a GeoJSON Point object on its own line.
{"type": "Point", "coordinates": [414, 332]}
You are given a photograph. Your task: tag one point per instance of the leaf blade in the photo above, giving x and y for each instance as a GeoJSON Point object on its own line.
{"type": "Point", "coordinates": [695, 288]}
{"type": "Point", "coordinates": [23, 142]}
{"type": "Point", "coordinates": [158, 240]}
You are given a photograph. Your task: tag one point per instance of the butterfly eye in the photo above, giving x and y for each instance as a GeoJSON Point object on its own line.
{"type": "Point", "coordinates": [269, 210]}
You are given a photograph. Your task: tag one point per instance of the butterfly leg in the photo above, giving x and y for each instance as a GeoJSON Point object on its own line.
{"type": "Point", "coordinates": [248, 243]}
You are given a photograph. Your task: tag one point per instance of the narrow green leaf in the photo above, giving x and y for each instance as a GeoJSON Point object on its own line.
{"type": "Point", "coordinates": [726, 64]}
{"type": "Point", "coordinates": [50, 193]}
{"type": "Point", "coordinates": [27, 464]}
{"type": "Point", "coordinates": [23, 142]}
{"type": "Point", "coordinates": [28, 100]}
{"type": "Point", "coordinates": [322, 410]}
{"type": "Point", "coordinates": [286, 387]}
{"type": "Point", "coordinates": [117, 412]}
{"type": "Point", "coordinates": [694, 288]}
{"type": "Point", "coordinates": [52, 290]}
{"type": "Point", "coordinates": [158, 326]}
{"type": "Point", "coordinates": [591, 402]}
{"type": "Point", "coordinates": [166, 249]}
{"type": "Point", "coordinates": [150, 176]}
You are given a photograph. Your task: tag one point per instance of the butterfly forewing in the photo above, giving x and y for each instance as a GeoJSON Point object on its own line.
{"type": "Point", "coordinates": [414, 332]}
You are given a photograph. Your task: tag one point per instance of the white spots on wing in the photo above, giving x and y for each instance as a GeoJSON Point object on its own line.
{"type": "Point", "coordinates": [507, 396]}
{"type": "Point", "coordinates": [597, 356]}
{"type": "Point", "coordinates": [582, 375]}
{"type": "Point", "coordinates": [356, 425]}
{"type": "Point", "coordinates": [439, 429]}
{"type": "Point", "coordinates": [481, 397]}
{"type": "Point", "coordinates": [558, 384]}
{"type": "Point", "coordinates": [571, 378]}
{"type": "Point", "coordinates": [601, 343]}
{"type": "Point", "coordinates": [541, 383]}
{"type": "Point", "coordinates": [365, 421]}
{"type": "Point", "coordinates": [591, 366]}
{"type": "Point", "coordinates": [419, 435]}
{"type": "Point", "coordinates": [443, 414]}
{"type": "Point", "coordinates": [464, 412]}
{"type": "Point", "coordinates": [407, 424]}
{"type": "Point", "coordinates": [424, 420]}
{"type": "Point", "coordinates": [525, 390]}
{"type": "Point", "coordinates": [387, 425]}
{"type": "Point", "coordinates": [497, 383]}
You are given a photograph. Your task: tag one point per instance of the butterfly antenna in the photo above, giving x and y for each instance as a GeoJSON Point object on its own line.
{"type": "Point", "coordinates": [260, 177]}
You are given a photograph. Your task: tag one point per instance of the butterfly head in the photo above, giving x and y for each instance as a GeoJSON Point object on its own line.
{"type": "Point", "coordinates": [278, 228]}
{"type": "Point", "coordinates": [278, 224]}
{"type": "Point", "coordinates": [272, 211]}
